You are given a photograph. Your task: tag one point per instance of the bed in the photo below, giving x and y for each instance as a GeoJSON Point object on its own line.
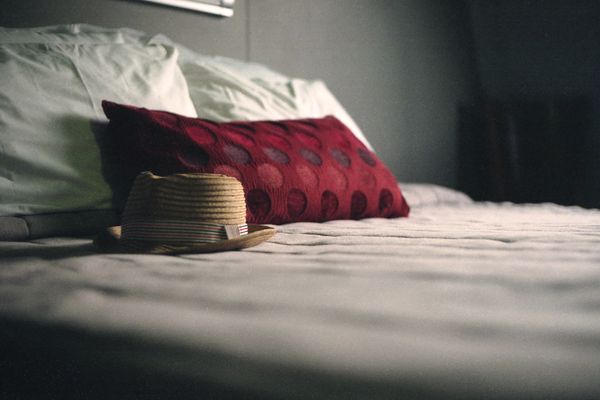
{"type": "Point", "coordinates": [462, 299]}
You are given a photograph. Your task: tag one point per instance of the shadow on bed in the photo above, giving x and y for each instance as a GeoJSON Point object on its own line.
{"type": "Point", "coordinates": [48, 361]}
{"type": "Point", "coordinates": [52, 361]}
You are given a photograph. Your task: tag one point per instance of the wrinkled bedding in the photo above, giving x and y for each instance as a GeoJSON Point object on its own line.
{"type": "Point", "coordinates": [461, 300]}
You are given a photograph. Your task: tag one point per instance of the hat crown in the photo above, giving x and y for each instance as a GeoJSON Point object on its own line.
{"type": "Point", "coordinates": [184, 213]}
{"type": "Point", "coordinates": [193, 197]}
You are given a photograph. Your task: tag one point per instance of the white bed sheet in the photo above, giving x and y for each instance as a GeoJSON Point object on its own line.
{"type": "Point", "coordinates": [462, 300]}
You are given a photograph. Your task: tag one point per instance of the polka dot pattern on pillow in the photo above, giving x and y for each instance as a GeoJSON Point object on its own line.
{"type": "Point", "coordinates": [292, 170]}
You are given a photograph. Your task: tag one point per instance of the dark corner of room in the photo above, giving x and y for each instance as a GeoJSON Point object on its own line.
{"type": "Point", "coordinates": [531, 132]}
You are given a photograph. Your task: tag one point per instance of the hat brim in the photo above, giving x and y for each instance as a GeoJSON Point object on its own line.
{"type": "Point", "coordinates": [110, 240]}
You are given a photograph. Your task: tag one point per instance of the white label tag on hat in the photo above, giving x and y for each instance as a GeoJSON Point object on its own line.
{"type": "Point", "coordinates": [232, 231]}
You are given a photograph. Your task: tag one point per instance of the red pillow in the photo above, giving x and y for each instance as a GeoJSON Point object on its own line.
{"type": "Point", "coordinates": [292, 170]}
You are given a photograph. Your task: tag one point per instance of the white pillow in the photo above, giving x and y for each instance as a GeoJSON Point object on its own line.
{"type": "Point", "coordinates": [262, 92]}
{"type": "Point", "coordinates": [223, 93]}
{"type": "Point", "coordinates": [86, 33]}
{"type": "Point", "coordinates": [49, 94]}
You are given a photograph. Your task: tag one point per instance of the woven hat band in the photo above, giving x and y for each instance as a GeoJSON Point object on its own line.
{"type": "Point", "coordinates": [180, 232]}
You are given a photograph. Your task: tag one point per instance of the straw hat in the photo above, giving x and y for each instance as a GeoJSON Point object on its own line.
{"type": "Point", "coordinates": [184, 213]}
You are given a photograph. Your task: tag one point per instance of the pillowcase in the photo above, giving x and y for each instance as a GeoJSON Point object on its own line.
{"type": "Point", "coordinates": [222, 88]}
{"type": "Point", "coordinates": [50, 94]}
{"type": "Point", "coordinates": [87, 33]}
{"type": "Point", "coordinates": [221, 92]}
{"type": "Point", "coordinates": [291, 170]}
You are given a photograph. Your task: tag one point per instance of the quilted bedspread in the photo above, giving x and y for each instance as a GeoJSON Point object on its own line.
{"type": "Point", "coordinates": [461, 300]}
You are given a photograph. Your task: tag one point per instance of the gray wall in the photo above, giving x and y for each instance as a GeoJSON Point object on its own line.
{"type": "Point", "coordinates": [400, 67]}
